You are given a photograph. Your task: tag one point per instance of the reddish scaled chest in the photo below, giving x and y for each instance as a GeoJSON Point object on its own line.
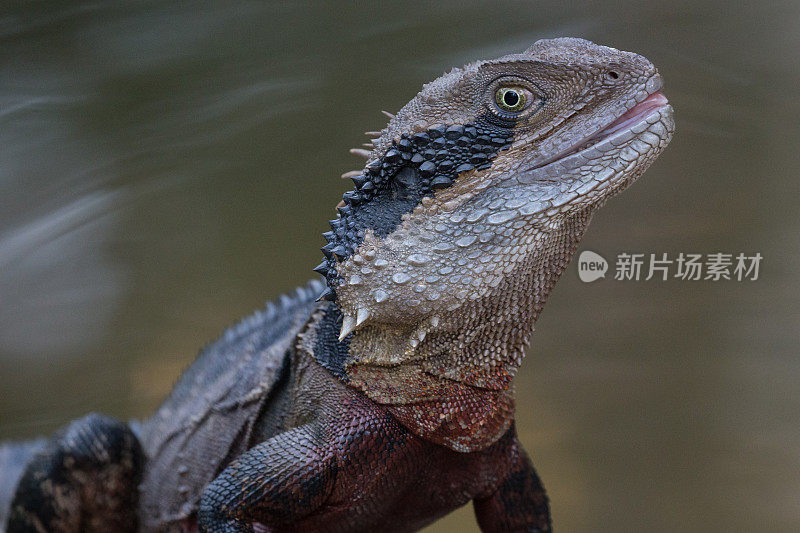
{"type": "Point", "coordinates": [389, 477]}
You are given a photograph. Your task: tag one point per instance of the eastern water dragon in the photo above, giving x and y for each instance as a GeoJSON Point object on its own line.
{"type": "Point", "coordinates": [382, 399]}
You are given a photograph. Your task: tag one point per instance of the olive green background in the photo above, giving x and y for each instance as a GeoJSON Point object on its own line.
{"type": "Point", "coordinates": [166, 168]}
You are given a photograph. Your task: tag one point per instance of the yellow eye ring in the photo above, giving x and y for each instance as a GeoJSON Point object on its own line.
{"type": "Point", "coordinates": [510, 99]}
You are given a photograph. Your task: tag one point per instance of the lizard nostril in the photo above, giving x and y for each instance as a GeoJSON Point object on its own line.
{"type": "Point", "coordinates": [613, 74]}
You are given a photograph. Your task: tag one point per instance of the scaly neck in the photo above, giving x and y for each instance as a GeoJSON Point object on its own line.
{"type": "Point", "coordinates": [449, 378]}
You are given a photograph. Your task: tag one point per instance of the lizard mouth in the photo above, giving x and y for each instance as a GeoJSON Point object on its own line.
{"type": "Point", "coordinates": [627, 120]}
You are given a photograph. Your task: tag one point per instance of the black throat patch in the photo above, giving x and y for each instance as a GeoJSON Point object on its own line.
{"type": "Point", "coordinates": [412, 168]}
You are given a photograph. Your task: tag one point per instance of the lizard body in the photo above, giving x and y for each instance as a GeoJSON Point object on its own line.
{"type": "Point", "coordinates": [389, 403]}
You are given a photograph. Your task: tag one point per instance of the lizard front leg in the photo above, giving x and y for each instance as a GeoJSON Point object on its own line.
{"type": "Point", "coordinates": [277, 482]}
{"type": "Point", "coordinates": [519, 504]}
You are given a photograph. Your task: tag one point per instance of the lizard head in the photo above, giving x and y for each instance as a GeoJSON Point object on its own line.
{"type": "Point", "coordinates": [475, 196]}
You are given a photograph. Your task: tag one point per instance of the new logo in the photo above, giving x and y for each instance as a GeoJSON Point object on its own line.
{"type": "Point", "coordinates": [591, 266]}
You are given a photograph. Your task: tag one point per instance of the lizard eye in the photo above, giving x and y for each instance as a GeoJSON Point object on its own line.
{"type": "Point", "coordinates": [511, 99]}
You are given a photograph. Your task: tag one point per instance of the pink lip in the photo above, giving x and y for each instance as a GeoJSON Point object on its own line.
{"type": "Point", "coordinates": [634, 114]}
{"type": "Point", "coordinates": [627, 119]}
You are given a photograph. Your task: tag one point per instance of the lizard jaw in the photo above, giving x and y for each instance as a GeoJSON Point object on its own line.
{"type": "Point", "coordinates": [636, 114]}
{"type": "Point", "coordinates": [633, 115]}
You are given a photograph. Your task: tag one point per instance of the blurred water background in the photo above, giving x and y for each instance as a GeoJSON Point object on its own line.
{"type": "Point", "coordinates": [167, 167]}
